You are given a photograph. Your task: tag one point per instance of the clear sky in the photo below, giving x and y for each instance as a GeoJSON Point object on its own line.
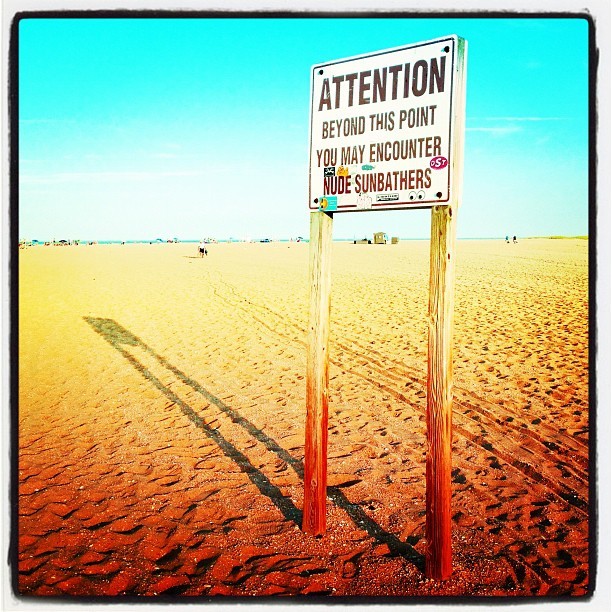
{"type": "Point", "coordinates": [146, 128]}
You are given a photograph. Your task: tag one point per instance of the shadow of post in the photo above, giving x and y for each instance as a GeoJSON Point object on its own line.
{"type": "Point", "coordinates": [117, 336]}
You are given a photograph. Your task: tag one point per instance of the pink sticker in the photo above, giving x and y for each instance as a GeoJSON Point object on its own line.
{"type": "Point", "coordinates": [439, 162]}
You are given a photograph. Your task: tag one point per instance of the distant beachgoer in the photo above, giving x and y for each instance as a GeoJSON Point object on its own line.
{"type": "Point", "coordinates": [507, 240]}
{"type": "Point", "coordinates": [514, 240]}
{"type": "Point", "coordinates": [202, 248]}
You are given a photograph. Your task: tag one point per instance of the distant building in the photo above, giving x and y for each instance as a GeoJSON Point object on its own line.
{"type": "Point", "coordinates": [380, 238]}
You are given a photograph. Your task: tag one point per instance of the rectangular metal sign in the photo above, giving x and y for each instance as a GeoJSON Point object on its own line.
{"type": "Point", "coordinates": [382, 128]}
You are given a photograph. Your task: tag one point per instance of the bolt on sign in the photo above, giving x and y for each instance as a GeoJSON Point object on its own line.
{"type": "Point", "coordinates": [382, 128]}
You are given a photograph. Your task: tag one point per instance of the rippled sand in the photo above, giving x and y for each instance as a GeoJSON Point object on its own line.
{"type": "Point", "coordinates": [161, 421]}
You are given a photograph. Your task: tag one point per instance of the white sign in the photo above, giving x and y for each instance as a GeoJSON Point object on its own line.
{"type": "Point", "coordinates": [382, 128]}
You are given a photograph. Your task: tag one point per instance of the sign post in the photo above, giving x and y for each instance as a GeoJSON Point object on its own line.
{"type": "Point", "coordinates": [317, 374]}
{"type": "Point", "coordinates": [438, 560]}
{"type": "Point", "coordinates": [386, 133]}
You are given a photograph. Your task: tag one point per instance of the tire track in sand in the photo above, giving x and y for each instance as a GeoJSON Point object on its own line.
{"type": "Point", "coordinates": [529, 452]}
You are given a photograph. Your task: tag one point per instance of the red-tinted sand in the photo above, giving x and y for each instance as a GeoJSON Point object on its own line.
{"type": "Point", "coordinates": [161, 421]}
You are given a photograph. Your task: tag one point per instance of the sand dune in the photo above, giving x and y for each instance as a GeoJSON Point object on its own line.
{"type": "Point", "coordinates": [161, 421]}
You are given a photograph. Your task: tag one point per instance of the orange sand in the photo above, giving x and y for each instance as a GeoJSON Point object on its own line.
{"type": "Point", "coordinates": [161, 421]}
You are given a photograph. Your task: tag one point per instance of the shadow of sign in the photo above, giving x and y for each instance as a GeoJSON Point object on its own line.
{"type": "Point", "coordinates": [122, 339]}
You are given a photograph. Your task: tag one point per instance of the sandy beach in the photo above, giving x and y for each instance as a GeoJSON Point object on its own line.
{"type": "Point", "coordinates": [162, 409]}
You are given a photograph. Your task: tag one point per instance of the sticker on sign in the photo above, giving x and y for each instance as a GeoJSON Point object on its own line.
{"type": "Point", "coordinates": [383, 127]}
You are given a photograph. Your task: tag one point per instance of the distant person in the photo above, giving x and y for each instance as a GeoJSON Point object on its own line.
{"type": "Point", "coordinates": [514, 240]}
{"type": "Point", "coordinates": [507, 240]}
{"type": "Point", "coordinates": [202, 248]}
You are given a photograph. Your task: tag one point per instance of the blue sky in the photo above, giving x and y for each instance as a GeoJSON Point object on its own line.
{"type": "Point", "coordinates": [145, 128]}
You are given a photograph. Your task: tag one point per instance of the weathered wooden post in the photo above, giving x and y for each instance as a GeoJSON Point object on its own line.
{"type": "Point", "coordinates": [438, 560]}
{"type": "Point", "coordinates": [317, 374]}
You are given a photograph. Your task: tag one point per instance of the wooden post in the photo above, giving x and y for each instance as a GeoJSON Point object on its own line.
{"type": "Point", "coordinates": [317, 374]}
{"type": "Point", "coordinates": [438, 561]}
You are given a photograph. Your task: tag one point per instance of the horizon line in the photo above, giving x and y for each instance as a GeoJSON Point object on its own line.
{"type": "Point", "coordinates": [290, 239]}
